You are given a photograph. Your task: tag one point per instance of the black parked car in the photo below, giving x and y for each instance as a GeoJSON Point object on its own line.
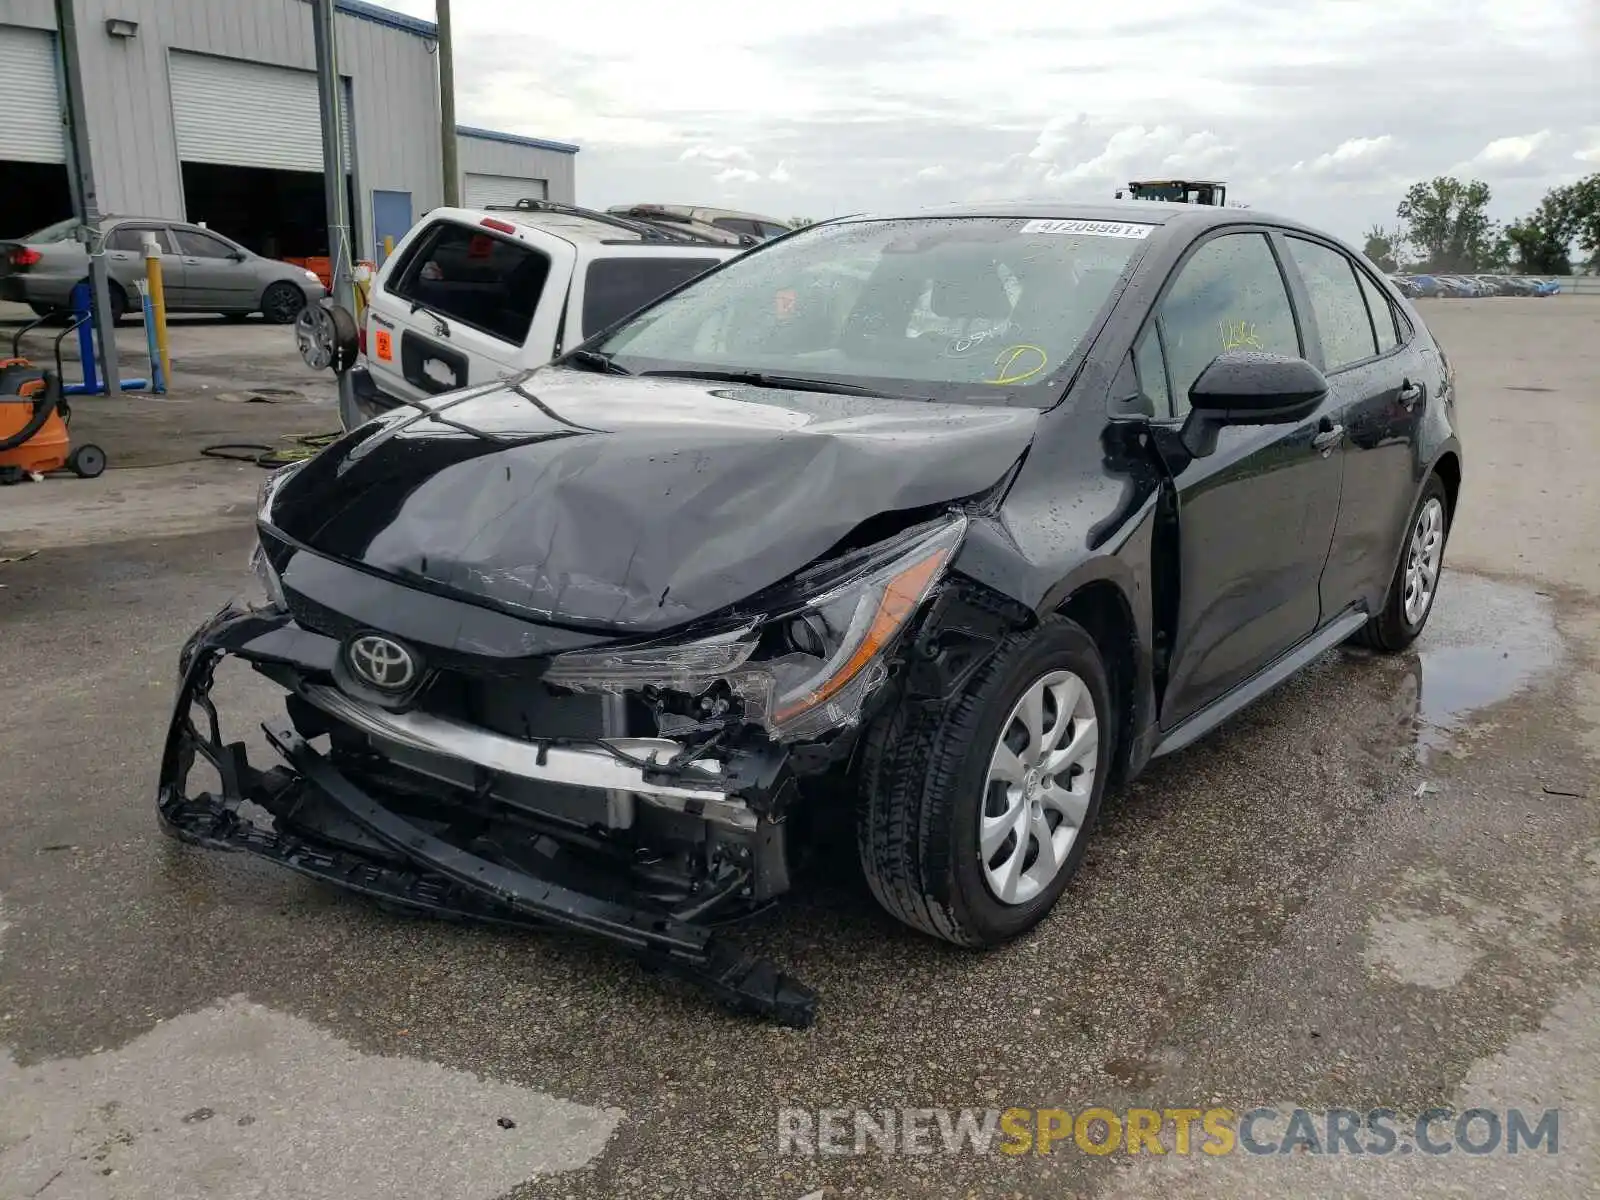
{"type": "Point", "coordinates": [944, 523]}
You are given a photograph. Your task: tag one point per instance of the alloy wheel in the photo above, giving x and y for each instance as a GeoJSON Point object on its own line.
{"type": "Point", "coordinates": [1423, 560]}
{"type": "Point", "coordinates": [1040, 781]}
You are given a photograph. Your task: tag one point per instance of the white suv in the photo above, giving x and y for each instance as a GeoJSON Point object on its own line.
{"type": "Point", "coordinates": [473, 295]}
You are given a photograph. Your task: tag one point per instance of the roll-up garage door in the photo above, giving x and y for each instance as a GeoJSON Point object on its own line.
{"type": "Point", "coordinates": [246, 114]}
{"type": "Point", "coordinates": [482, 190]}
{"type": "Point", "coordinates": [30, 129]}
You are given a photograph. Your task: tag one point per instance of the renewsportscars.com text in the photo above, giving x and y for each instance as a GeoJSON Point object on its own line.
{"type": "Point", "coordinates": [1212, 1131]}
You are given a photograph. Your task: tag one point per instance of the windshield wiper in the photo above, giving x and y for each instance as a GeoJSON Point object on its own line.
{"type": "Point", "coordinates": [440, 326]}
{"type": "Point", "coordinates": [598, 361]}
{"type": "Point", "coordinates": [795, 383]}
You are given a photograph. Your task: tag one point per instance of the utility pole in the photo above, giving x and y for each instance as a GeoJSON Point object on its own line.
{"type": "Point", "coordinates": [85, 201]}
{"type": "Point", "coordinates": [331, 94]}
{"type": "Point", "coordinates": [447, 106]}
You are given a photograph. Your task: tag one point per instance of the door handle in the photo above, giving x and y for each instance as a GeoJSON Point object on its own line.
{"type": "Point", "coordinates": [1327, 439]}
{"type": "Point", "coordinates": [1410, 393]}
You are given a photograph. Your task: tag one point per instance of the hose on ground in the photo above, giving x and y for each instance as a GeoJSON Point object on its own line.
{"type": "Point", "coordinates": [265, 455]}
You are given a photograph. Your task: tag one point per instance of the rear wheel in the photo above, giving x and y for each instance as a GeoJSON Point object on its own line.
{"type": "Point", "coordinates": [1416, 579]}
{"type": "Point", "coordinates": [974, 816]}
{"type": "Point", "coordinates": [281, 303]}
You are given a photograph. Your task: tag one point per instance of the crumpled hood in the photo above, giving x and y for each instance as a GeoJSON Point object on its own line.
{"type": "Point", "coordinates": [634, 504]}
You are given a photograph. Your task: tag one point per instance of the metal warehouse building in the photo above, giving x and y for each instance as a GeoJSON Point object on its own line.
{"type": "Point", "coordinates": [206, 110]}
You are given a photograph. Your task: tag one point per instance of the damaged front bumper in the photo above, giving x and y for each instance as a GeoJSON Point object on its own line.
{"type": "Point", "coordinates": [420, 821]}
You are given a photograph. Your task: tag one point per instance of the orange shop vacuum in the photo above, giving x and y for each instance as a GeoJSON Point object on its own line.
{"type": "Point", "coordinates": [35, 421]}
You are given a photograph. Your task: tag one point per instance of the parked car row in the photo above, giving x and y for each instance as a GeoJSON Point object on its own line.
{"type": "Point", "coordinates": [1471, 286]}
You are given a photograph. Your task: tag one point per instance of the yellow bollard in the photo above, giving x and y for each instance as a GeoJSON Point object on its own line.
{"type": "Point", "coordinates": [388, 245]}
{"type": "Point", "coordinates": [158, 302]}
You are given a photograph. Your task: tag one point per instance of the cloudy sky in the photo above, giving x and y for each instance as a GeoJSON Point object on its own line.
{"type": "Point", "coordinates": [1320, 109]}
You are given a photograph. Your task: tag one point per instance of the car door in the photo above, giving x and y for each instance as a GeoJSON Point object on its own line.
{"type": "Point", "coordinates": [1256, 515]}
{"type": "Point", "coordinates": [1379, 383]}
{"type": "Point", "coordinates": [126, 263]}
{"type": "Point", "coordinates": [217, 276]}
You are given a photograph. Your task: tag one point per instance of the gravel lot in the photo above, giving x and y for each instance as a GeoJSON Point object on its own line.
{"type": "Point", "coordinates": [1378, 887]}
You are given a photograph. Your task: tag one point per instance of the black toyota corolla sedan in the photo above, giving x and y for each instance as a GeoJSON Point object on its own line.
{"type": "Point", "coordinates": [939, 524]}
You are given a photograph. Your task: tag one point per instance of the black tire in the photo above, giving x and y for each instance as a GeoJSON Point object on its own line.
{"type": "Point", "coordinates": [923, 788]}
{"type": "Point", "coordinates": [119, 302]}
{"type": "Point", "coordinates": [281, 303]}
{"type": "Point", "coordinates": [87, 461]}
{"type": "Point", "coordinates": [1389, 631]}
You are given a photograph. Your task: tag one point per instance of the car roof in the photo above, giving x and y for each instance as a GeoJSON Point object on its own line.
{"type": "Point", "coordinates": [581, 226]}
{"type": "Point", "coordinates": [1142, 212]}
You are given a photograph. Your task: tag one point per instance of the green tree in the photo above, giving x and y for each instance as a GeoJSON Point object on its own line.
{"type": "Point", "coordinates": [1448, 222]}
{"type": "Point", "coordinates": [800, 222]}
{"type": "Point", "coordinates": [1538, 243]}
{"type": "Point", "coordinates": [1383, 247]}
{"type": "Point", "coordinates": [1581, 203]}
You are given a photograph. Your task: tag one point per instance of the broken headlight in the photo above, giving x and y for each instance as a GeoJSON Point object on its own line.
{"type": "Point", "coordinates": [267, 576]}
{"type": "Point", "coordinates": [268, 490]}
{"type": "Point", "coordinates": [798, 671]}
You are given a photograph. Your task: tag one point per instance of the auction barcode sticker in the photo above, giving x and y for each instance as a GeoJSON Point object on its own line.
{"type": "Point", "coordinates": [1122, 229]}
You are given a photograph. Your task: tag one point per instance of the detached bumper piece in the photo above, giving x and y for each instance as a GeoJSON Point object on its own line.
{"type": "Point", "coordinates": [327, 827]}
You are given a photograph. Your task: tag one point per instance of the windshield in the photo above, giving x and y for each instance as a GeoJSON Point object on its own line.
{"type": "Point", "coordinates": [958, 308]}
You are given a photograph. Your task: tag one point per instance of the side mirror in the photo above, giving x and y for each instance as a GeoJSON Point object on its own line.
{"type": "Point", "coordinates": [238, 256]}
{"type": "Point", "coordinates": [1249, 387]}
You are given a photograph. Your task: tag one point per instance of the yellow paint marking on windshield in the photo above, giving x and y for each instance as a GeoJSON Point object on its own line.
{"type": "Point", "coordinates": [1239, 335]}
{"type": "Point", "coordinates": [1006, 363]}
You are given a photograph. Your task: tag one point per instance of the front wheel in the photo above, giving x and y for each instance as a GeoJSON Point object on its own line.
{"type": "Point", "coordinates": [974, 816]}
{"type": "Point", "coordinates": [281, 303]}
{"type": "Point", "coordinates": [1416, 578]}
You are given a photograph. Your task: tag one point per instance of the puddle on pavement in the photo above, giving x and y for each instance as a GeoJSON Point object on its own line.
{"type": "Point", "coordinates": [1485, 642]}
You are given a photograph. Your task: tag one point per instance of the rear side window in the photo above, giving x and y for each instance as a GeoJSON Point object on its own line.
{"type": "Point", "coordinates": [1383, 318]}
{"type": "Point", "coordinates": [469, 275]}
{"type": "Point", "coordinates": [201, 245]}
{"type": "Point", "coordinates": [1337, 300]}
{"type": "Point", "coordinates": [615, 287]}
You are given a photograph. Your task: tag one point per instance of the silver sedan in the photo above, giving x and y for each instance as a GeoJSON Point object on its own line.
{"type": "Point", "coordinates": [201, 270]}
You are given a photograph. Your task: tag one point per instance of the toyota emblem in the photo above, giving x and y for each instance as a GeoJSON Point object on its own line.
{"type": "Point", "coordinates": [382, 663]}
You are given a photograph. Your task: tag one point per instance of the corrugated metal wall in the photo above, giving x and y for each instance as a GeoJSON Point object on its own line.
{"type": "Point", "coordinates": [30, 130]}
{"type": "Point", "coordinates": [486, 156]}
{"type": "Point", "coordinates": [128, 91]}
{"type": "Point", "coordinates": [227, 111]}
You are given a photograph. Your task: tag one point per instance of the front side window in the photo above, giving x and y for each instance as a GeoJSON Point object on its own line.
{"type": "Point", "coordinates": [1336, 299]}
{"type": "Point", "coordinates": [131, 237]}
{"type": "Point", "coordinates": [1150, 365]}
{"type": "Point", "coordinates": [1229, 295]}
{"type": "Point", "coordinates": [615, 287]}
{"type": "Point", "coordinates": [469, 275]}
{"type": "Point", "coordinates": [973, 309]}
